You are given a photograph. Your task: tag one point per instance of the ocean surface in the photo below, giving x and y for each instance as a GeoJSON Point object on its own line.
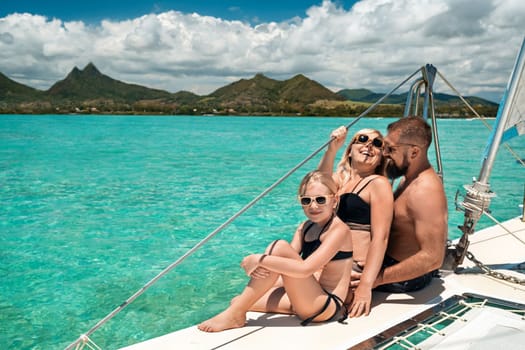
{"type": "Point", "coordinates": [93, 207]}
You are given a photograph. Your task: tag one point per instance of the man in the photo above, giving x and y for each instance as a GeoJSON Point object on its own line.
{"type": "Point", "coordinates": [418, 235]}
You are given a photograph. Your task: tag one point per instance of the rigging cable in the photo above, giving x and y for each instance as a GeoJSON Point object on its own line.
{"type": "Point", "coordinates": [512, 152]}
{"type": "Point", "coordinates": [86, 335]}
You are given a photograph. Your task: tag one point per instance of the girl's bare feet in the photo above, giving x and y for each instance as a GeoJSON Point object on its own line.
{"type": "Point", "coordinates": [225, 320]}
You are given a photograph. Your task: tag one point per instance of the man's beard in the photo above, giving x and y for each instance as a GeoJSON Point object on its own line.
{"type": "Point", "coordinates": [393, 171]}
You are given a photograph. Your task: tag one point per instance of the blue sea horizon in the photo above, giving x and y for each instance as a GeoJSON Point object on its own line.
{"type": "Point", "coordinates": [93, 207]}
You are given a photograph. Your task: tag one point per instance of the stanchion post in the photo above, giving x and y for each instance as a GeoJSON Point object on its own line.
{"type": "Point", "coordinates": [523, 206]}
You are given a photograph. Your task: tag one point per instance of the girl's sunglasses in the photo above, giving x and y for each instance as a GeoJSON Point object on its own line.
{"type": "Point", "coordinates": [377, 142]}
{"type": "Point", "coordinates": [305, 200]}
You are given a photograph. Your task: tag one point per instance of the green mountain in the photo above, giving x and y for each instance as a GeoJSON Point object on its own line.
{"type": "Point", "coordinates": [300, 89]}
{"type": "Point", "coordinates": [185, 98]}
{"type": "Point", "coordinates": [269, 94]}
{"type": "Point", "coordinates": [364, 95]}
{"type": "Point", "coordinates": [355, 94]}
{"type": "Point", "coordinates": [258, 91]}
{"type": "Point", "coordinates": [11, 91]}
{"type": "Point", "coordinates": [90, 84]}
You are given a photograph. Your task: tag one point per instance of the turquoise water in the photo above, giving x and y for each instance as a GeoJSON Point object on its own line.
{"type": "Point", "coordinates": [93, 207]}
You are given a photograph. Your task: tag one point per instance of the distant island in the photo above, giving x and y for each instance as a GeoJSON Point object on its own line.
{"type": "Point", "coordinates": [88, 91]}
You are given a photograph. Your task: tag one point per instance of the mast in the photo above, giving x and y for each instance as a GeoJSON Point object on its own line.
{"type": "Point", "coordinates": [479, 195]}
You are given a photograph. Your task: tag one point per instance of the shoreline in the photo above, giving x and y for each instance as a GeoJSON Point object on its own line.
{"type": "Point", "coordinates": [120, 114]}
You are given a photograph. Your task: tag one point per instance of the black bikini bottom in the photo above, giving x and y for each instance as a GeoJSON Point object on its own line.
{"type": "Point", "coordinates": [339, 306]}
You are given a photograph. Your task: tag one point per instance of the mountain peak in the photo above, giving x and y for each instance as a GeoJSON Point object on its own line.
{"type": "Point", "coordinates": [299, 77]}
{"type": "Point", "coordinates": [260, 76]}
{"type": "Point", "coordinates": [91, 69]}
{"type": "Point", "coordinates": [75, 72]}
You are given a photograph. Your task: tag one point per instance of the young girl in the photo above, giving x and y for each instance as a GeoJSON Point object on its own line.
{"type": "Point", "coordinates": [314, 268]}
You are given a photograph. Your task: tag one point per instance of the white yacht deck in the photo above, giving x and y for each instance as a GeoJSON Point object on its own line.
{"type": "Point", "coordinates": [493, 246]}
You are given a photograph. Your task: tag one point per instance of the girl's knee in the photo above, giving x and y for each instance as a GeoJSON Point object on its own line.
{"type": "Point", "coordinates": [233, 299]}
{"type": "Point", "coordinates": [273, 246]}
{"type": "Point", "coordinates": [280, 247]}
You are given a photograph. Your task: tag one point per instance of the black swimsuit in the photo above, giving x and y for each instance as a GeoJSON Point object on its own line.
{"type": "Point", "coordinates": [353, 209]}
{"type": "Point", "coordinates": [311, 246]}
{"type": "Point", "coordinates": [308, 248]}
{"type": "Point", "coordinates": [355, 213]}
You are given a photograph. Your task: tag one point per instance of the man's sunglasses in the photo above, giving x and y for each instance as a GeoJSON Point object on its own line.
{"type": "Point", "coordinates": [390, 148]}
{"type": "Point", "coordinates": [377, 142]}
{"type": "Point", "coordinates": [305, 200]}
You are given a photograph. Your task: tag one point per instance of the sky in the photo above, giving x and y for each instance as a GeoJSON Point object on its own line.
{"type": "Point", "coordinates": [200, 45]}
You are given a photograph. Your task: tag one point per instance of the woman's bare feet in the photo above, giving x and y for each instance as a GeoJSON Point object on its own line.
{"type": "Point", "coordinates": [225, 320]}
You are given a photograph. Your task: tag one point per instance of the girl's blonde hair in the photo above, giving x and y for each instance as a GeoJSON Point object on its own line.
{"type": "Point", "coordinates": [318, 176]}
{"type": "Point", "coordinates": [342, 172]}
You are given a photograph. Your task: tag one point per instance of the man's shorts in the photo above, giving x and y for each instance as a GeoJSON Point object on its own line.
{"type": "Point", "coordinates": [406, 286]}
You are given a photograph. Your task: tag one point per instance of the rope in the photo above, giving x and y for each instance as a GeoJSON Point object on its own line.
{"type": "Point", "coordinates": [227, 222]}
{"type": "Point", "coordinates": [503, 226]}
{"type": "Point", "coordinates": [511, 151]}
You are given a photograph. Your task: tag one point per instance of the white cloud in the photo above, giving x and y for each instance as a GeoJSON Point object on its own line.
{"type": "Point", "coordinates": [375, 45]}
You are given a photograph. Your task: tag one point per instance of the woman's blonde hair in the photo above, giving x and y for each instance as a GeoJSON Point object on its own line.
{"type": "Point", "coordinates": [342, 172]}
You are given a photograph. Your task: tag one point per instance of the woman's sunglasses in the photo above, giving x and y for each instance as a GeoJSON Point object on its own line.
{"type": "Point", "coordinates": [377, 142]}
{"type": "Point", "coordinates": [305, 200]}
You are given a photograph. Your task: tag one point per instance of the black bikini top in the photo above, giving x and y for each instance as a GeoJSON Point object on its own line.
{"type": "Point", "coordinates": [311, 246]}
{"type": "Point", "coordinates": [352, 208]}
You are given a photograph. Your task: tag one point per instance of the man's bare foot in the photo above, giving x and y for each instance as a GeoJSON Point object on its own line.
{"type": "Point", "coordinates": [220, 322]}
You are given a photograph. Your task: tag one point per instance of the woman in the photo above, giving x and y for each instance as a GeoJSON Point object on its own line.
{"type": "Point", "coordinates": [315, 267]}
{"type": "Point", "coordinates": [366, 206]}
